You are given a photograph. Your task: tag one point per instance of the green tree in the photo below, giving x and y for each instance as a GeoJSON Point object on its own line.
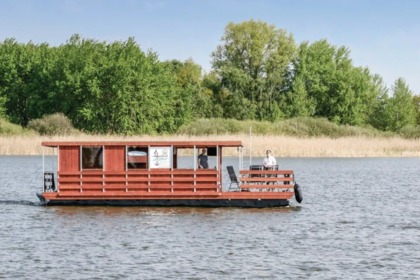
{"type": "Point", "coordinates": [377, 116]}
{"type": "Point", "coordinates": [252, 63]}
{"type": "Point", "coordinates": [102, 87]}
{"type": "Point", "coordinates": [296, 102]}
{"type": "Point", "coordinates": [213, 96]}
{"type": "Point", "coordinates": [16, 70]}
{"type": "Point", "coordinates": [400, 109]}
{"type": "Point", "coordinates": [116, 88]}
{"type": "Point", "coordinates": [2, 106]}
{"type": "Point", "coordinates": [416, 101]}
{"type": "Point", "coordinates": [192, 101]}
{"type": "Point", "coordinates": [324, 83]}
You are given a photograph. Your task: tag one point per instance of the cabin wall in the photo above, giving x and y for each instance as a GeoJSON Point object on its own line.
{"type": "Point", "coordinates": [69, 158]}
{"type": "Point", "coordinates": [114, 158]}
{"type": "Point", "coordinates": [116, 171]}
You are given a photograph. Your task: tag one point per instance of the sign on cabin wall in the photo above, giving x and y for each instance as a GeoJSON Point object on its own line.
{"type": "Point", "coordinates": [160, 157]}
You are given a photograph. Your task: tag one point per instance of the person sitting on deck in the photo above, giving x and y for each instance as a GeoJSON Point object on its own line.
{"type": "Point", "coordinates": [269, 161]}
{"type": "Point", "coordinates": [203, 159]}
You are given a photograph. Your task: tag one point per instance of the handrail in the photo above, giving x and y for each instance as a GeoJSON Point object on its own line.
{"type": "Point", "coordinates": [264, 172]}
{"type": "Point", "coordinates": [151, 179]}
{"type": "Point", "coordinates": [266, 180]}
{"type": "Point", "coordinates": [140, 172]}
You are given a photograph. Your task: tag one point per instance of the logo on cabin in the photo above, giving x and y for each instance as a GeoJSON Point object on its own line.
{"type": "Point", "coordinates": [159, 157]}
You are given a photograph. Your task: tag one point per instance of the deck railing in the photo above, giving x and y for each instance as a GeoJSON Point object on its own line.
{"type": "Point", "coordinates": [140, 180]}
{"type": "Point", "coordinates": [266, 180]}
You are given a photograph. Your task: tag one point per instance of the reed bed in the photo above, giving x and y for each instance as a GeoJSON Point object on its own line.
{"type": "Point", "coordinates": [281, 146]}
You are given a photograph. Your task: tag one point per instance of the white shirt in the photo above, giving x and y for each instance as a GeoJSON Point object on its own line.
{"type": "Point", "coordinates": [269, 161]}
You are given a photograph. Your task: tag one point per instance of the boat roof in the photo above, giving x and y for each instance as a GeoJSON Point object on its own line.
{"type": "Point", "coordinates": [178, 144]}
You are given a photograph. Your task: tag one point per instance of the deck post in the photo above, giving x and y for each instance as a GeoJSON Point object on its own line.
{"type": "Point", "coordinates": [217, 157]}
{"type": "Point", "coordinates": [195, 158]}
{"type": "Point", "coordinates": [172, 167]}
{"type": "Point", "coordinates": [195, 166]}
{"type": "Point", "coordinates": [103, 167]}
{"type": "Point", "coordinates": [43, 168]}
{"type": "Point", "coordinates": [240, 158]}
{"type": "Point", "coordinates": [56, 164]}
{"type": "Point", "coordinates": [126, 168]}
{"type": "Point", "coordinates": [81, 167]}
{"type": "Point", "coordinates": [148, 168]}
{"type": "Point", "coordinates": [250, 145]}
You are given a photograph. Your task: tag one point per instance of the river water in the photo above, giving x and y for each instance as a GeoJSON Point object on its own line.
{"type": "Point", "coordinates": [360, 219]}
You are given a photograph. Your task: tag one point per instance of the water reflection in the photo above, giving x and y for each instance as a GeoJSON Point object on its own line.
{"type": "Point", "coordinates": [162, 211]}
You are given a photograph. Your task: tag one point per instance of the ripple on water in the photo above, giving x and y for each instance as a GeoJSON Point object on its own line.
{"type": "Point", "coordinates": [353, 224]}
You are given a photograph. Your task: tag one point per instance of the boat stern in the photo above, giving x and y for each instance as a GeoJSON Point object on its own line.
{"type": "Point", "coordinates": [42, 199]}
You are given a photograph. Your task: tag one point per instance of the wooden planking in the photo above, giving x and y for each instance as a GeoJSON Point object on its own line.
{"type": "Point", "coordinates": [106, 188]}
{"type": "Point", "coordinates": [266, 172]}
{"type": "Point", "coordinates": [175, 181]}
{"type": "Point", "coordinates": [264, 186]}
{"type": "Point", "coordinates": [139, 194]}
{"type": "Point", "coordinates": [258, 195]}
{"type": "Point", "coordinates": [175, 144]}
{"type": "Point", "coordinates": [170, 195]}
{"type": "Point", "coordinates": [69, 159]}
{"type": "Point", "coordinates": [265, 179]}
{"type": "Point", "coordinates": [114, 158]}
{"type": "Point", "coordinates": [108, 177]}
{"type": "Point", "coordinates": [69, 188]}
{"type": "Point", "coordinates": [140, 172]}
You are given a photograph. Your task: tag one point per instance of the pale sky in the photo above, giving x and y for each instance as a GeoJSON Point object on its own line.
{"type": "Point", "coordinates": [382, 35]}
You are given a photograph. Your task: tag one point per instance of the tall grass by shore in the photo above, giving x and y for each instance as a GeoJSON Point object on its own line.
{"type": "Point", "coordinates": [298, 137]}
{"type": "Point", "coordinates": [281, 146]}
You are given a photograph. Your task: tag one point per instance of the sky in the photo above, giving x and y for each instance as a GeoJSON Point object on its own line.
{"type": "Point", "coordinates": [382, 35]}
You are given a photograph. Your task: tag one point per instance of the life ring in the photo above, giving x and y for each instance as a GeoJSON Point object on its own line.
{"type": "Point", "coordinates": [298, 193]}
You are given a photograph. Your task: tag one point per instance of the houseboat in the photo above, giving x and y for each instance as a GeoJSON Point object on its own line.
{"type": "Point", "coordinates": [156, 173]}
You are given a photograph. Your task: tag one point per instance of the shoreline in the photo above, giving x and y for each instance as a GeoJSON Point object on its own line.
{"type": "Point", "coordinates": [281, 146]}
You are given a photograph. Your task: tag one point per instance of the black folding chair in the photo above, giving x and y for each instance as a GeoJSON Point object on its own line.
{"type": "Point", "coordinates": [233, 178]}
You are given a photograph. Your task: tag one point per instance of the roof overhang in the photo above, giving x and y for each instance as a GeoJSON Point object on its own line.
{"type": "Point", "coordinates": [177, 144]}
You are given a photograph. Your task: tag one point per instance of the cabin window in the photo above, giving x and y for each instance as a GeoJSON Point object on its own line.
{"type": "Point", "coordinates": [92, 157]}
{"type": "Point", "coordinates": [137, 157]}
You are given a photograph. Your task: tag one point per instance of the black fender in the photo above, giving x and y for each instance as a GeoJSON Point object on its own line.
{"type": "Point", "coordinates": [298, 193]}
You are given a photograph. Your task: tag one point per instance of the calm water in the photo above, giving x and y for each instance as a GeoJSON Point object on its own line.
{"type": "Point", "coordinates": [360, 219]}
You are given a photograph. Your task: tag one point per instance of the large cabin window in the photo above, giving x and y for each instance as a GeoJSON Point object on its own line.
{"type": "Point", "coordinates": [136, 157]}
{"type": "Point", "coordinates": [92, 157]}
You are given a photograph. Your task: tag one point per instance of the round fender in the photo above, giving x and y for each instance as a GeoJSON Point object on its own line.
{"type": "Point", "coordinates": [298, 193]}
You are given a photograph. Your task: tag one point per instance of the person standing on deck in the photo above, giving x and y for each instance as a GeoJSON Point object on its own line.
{"type": "Point", "coordinates": [203, 159]}
{"type": "Point", "coordinates": [269, 161]}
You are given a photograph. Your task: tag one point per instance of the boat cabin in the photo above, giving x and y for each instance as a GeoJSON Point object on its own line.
{"type": "Point", "coordinates": [123, 166]}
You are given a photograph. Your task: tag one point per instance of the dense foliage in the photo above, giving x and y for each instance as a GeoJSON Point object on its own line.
{"type": "Point", "coordinates": [259, 73]}
{"type": "Point", "coordinates": [252, 65]}
{"type": "Point", "coordinates": [105, 88]}
{"type": "Point", "coordinates": [298, 127]}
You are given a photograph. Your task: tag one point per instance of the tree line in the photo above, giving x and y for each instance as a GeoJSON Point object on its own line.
{"type": "Point", "coordinates": [258, 73]}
